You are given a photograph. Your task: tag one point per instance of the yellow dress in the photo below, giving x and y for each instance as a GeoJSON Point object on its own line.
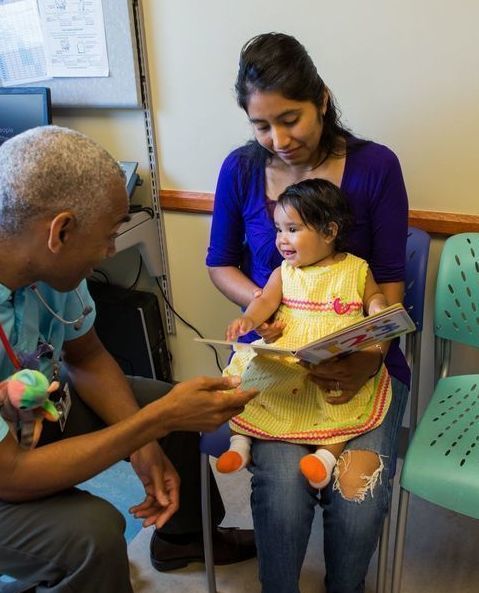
{"type": "Point", "coordinates": [290, 407]}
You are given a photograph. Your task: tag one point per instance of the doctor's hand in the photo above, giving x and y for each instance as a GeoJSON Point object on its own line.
{"type": "Point", "coordinates": [161, 483]}
{"type": "Point", "coordinates": [201, 404]}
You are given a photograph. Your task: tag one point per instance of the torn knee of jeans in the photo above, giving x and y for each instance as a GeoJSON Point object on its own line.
{"type": "Point", "coordinates": [350, 477]}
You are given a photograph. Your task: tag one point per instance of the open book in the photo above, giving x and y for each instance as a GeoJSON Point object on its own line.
{"type": "Point", "coordinates": [385, 325]}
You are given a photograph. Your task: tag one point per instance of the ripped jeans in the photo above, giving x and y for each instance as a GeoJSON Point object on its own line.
{"type": "Point", "coordinates": [283, 505]}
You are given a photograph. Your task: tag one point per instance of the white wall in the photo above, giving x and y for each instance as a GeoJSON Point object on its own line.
{"type": "Point", "coordinates": [404, 73]}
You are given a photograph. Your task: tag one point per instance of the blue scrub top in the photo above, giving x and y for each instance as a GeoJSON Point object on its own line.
{"type": "Point", "coordinates": [28, 323]}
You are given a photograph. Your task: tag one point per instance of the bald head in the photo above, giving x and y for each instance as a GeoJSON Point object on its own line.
{"type": "Point", "coordinates": [52, 169]}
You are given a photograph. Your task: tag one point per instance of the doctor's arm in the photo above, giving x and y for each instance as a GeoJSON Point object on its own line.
{"type": "Point", "coordinates": [196, 405]}
{"type": "Point", "coordinates": [101, 384]}
{"type": "Point", "coordinates": [98, 379]}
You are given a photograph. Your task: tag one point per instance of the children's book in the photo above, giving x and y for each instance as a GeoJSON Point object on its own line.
{"type": "Point", "coordinates": [384, 325]}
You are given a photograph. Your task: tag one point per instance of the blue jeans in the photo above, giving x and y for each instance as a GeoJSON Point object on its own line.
{"type": "Point", "coordinates": [283, 506]}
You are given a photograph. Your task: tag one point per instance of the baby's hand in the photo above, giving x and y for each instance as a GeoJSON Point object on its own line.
{"type": "Point", "coordinates": [239, 327]}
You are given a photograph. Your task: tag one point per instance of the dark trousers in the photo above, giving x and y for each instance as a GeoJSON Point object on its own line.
{"type": "Point", "coordinates": [73, 539]}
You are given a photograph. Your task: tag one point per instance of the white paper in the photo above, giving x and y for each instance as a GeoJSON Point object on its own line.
{"type": "Point", "coordinates": [74, 32]}
{"type": "Point", "coordinates": [22, 50]}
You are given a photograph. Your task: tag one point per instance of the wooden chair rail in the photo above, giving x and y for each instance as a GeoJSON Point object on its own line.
{"type": "Point", "coordinates": [442, 223]}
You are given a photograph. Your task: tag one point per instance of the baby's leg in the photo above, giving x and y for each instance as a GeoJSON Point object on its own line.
{"type": "Point", "coordinates": [237, 456]}
{"type": "Point", "coordinates": [317, 467]}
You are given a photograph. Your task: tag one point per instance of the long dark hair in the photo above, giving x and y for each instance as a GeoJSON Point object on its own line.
{"type": "Point", "coordinates": [279, 62]}
{"type": "Point", "coordinates": [319, 203]}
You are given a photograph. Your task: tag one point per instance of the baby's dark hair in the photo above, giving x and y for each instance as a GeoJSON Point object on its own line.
{"type": "Point", "coordinates": [318, 203]}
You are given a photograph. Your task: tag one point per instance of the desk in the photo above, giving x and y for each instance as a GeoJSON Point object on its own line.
{"type": "Point", "coordinates": [142, 231]}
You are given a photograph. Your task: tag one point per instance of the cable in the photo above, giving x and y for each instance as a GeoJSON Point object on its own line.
{"type": "Point", "coordinates": [107, 279]}
{"type": "Point", "coordinates": [140, 267]}
{"type": "Point", "coordinates": [102, 273]}
{"type": "Point", "coordinates": [139, 208]}
{"type": "Point", "coordinates": [192, 327]}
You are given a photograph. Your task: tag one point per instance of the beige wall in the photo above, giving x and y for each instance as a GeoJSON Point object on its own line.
{"type": "Point", "coordinates": [404, 73]}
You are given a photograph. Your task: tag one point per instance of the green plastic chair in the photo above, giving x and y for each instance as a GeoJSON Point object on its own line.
{"type": "Point", "coordinates": [441, 462]}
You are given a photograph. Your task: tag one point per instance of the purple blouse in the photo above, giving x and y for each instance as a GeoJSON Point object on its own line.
{"type": "Point", "coordinates": [243, 232]}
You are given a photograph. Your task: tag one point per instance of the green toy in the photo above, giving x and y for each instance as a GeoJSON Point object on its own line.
{"type": "Point", "coordinates": [24, 403]}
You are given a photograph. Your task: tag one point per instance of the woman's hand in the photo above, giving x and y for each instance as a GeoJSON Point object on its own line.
{"type": "Point", "coordinates": [346, 375]}
{"type": "Point", "coordinates": [270, 331]}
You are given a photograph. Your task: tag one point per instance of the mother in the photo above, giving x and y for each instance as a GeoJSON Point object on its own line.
{"type": "Point", "coordinates": [298, 135]}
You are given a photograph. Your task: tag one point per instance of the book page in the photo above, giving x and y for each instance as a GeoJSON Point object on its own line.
{"type": "Point", "coordinates": [387, 324]}
{"type": "Point", "coordinates": [239, 346]}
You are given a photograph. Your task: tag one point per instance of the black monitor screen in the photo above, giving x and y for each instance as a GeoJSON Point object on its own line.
{"type": "Point", "coordinates": [22, 108]}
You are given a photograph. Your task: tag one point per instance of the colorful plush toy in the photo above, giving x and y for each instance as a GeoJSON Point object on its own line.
{"type": "Point", "coordinates": [24, 404]}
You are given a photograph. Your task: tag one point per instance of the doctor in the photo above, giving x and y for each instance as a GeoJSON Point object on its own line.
{"type": "Point", "coordinates": [62, 201]}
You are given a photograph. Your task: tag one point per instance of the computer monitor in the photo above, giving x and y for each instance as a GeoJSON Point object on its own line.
{"type": "Point", "coordinates": [22, 108]}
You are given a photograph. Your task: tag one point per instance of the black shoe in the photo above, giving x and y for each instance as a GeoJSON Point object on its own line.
{"type": "Point", "coordinates": [230, 545]}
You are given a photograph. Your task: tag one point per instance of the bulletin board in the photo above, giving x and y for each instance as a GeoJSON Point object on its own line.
{"type": "Point", "coordinates": [121, 89]}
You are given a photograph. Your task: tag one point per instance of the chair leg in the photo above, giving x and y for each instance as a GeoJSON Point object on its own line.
{"type": "Point", "coordinates": [400, 540]}
{"type": "Point", "coordinates": [383, 554]}
{"type": "Point", "coordinates": [206, 521]}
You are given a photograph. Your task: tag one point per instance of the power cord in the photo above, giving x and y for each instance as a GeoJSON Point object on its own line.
{"type": "Point", "coordinates": [106, 279]}
{"type": "Point", "coordinates": [192, 327]}
{"type": "Point", "coordinates": [139, 208]}
{"type": "Point", "coordinates": [102, 273]}
{"type": "Point", "coordinates": [135, 282]}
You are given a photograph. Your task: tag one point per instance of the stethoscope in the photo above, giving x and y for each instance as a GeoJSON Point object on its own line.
{"type": "Point", "coordinates": [78, 322]}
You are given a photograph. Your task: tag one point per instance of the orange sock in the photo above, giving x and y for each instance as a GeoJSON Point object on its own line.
{"type": "Point", "coordinates": [318, 467]}
{"type": "Point", "coordinates": [229, 462]}
{"type": "Point", "coordinates": [313, 468]}
{"type": "Point", "coordinates": [237, 456]}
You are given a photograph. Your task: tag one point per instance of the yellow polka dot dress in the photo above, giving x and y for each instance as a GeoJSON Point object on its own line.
{"type": "Point", "coordinates": [317, 300]}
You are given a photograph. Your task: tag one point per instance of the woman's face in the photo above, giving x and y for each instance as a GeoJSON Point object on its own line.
{"type": "Point", "coordinates": [289, 129]}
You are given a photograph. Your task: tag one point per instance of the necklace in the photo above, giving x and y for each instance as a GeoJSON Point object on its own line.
{"type": "Point", "coordinates": [321, 161]}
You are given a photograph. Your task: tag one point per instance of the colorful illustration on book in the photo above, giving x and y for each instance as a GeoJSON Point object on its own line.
{"type": "Point", "coordinates": [387, 324]}
{"type": "Point", "coordinates": [353, 340]}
